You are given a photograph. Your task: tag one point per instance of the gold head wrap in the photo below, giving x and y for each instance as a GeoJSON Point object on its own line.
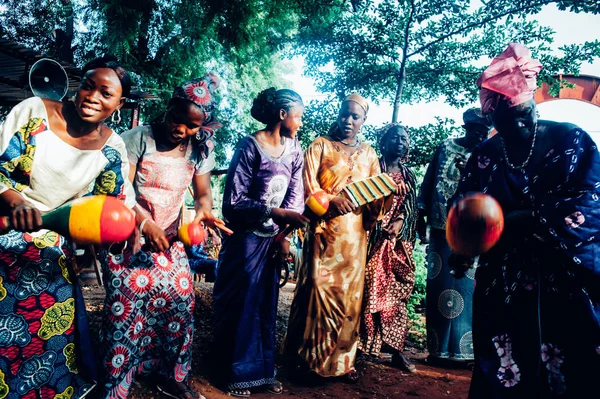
{"type": "Point", "coordinates": [360, 100]}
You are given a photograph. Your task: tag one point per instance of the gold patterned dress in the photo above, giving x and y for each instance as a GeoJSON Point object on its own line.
{"type": "Point", "coordinates": [325, 315]}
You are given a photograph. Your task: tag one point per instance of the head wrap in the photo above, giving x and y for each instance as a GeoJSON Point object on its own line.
{"type": "Point", "coordinates": [200, 91]}
{"type": "Point", "coordinates": [360, 100]}
{"type": "Point", "coordinates": [475, 116]}
{"type": "Point", "coordinates": [511, 76]}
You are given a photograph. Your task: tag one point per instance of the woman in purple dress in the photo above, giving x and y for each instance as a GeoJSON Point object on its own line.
{"type": "Point", "coordinates": [263, 193]}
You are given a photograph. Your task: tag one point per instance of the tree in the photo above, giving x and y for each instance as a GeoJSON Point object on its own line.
{"type": "Point", "coordinates": [414, 50]}
{"type": "Point", "coordinates": [165, 42]}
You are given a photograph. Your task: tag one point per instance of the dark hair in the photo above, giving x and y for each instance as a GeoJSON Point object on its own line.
{"type": "Point", "coordinates": [111, 62]}
{"type": "Point", "coordinates": [269, 102]}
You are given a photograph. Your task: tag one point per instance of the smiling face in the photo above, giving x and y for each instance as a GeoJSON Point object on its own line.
{"type": "Point", "coordinates": [475, 134]}
{"type": "Point", "coordinates": [99, 95]}
{"type": "Point", "coordinates": [183, 121]}
{"type": "Point", "coordinates": [397, 143]}
{"type": "Point", "coordinates": [292, 121]}
{"type": "Point", "coordinates": [350, 119]}
{"type": "Point", "coordinates": [516, 122]}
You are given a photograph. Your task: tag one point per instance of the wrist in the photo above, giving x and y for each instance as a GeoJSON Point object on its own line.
{"type": "Point", "coordinates": [142, 225]}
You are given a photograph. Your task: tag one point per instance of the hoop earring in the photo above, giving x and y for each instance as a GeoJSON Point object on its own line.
{"type": "Point", "coordinates": [118, 118]}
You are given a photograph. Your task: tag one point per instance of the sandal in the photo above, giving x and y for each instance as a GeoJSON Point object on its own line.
{"type": "Point", "coordinates": [240, 393]}
{"type": "Point", "coordinates": [352, 377]}
{"type": "Point", "coordinates": [177, 390]}
{"type": "Point", "coordinates": [275, 388]}
{"type": "Point", "coordinates": [401, 362]}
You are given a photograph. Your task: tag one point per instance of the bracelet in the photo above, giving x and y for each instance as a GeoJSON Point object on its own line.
{"type": "Point", "coordinates": [142, 226]}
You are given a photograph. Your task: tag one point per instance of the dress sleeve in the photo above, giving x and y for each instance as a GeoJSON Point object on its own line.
{"type": "Point", "coordinates": [17, 145]}
{"type": "Point", "coordinates": [427, 186]}
{"type": "Point", "coordinates": [310, 173]}
{"type": "Point", "coordinates": [568, 217]}
{"type": "Point", "coordinates": [135, 142]}
{"type": "Point", "coordinates": [469, 181]}
{"type": "Point", "coordinates": [206, 165]}
{"type": "Point", "coordinates": [294, 197]}
{"type": "Point", "coordinates": [236, 202]}
{"type": "Point", "coordinates": [114, 178]}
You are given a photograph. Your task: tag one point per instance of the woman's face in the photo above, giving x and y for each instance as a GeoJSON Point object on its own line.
{"type": "Point", "coordinates": [350, 119]}
{"type": "Point", "coordinates": [183, 121]}
{"type": "Point", "coordinates": [99, 95]}
{"type": "Point", "coordinates": [515, 122]}
{"type": "Point", "coordinates": [397, 144]}
{"type": "Point", "coordinates": [292, 121]}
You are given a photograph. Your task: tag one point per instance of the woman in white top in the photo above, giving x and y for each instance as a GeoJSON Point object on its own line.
{"type": "Point", "coordinates": [50, 153]}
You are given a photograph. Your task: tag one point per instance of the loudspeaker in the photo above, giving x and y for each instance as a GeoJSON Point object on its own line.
{"type": "Point", "coordinates": [48, 79]}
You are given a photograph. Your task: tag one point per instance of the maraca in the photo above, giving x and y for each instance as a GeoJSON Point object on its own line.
{"type": "Point", "coordinates": [97, 219]}
{"type": "Point", "coordinates": [474, 225]}
{"type": "Point", "coordinates": [191, 234]}
{"type": "Point", "coordinates": [318, 203]}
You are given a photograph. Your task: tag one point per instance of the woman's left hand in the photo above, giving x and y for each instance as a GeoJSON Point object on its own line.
{"type": "Point", "coordinates": [211, 221]}
{"type": "Point", "coordinates": [402, 188]}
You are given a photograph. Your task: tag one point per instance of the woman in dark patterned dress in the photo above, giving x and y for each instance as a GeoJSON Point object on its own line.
{"type": "Point", "coordinates": [536, 307]}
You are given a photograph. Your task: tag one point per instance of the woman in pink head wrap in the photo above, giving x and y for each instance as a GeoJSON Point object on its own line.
{"type": "Point", "coordinates": [536, 310]}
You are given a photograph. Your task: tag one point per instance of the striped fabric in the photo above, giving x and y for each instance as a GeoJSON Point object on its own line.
{"type": "Point", "coordinates": [368, 190]}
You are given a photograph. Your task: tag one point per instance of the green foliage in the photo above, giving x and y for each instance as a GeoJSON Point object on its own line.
{"type": "Point", "coordinates": [166, 42]}
{"type": "Point", "coordinates": [422, 50]}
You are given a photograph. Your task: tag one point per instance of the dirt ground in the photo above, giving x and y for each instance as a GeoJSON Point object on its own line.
{"type": "Point", "coordinates": [378, 380]}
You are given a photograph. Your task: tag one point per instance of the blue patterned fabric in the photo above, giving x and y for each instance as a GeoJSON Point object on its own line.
{"type": "Point", "coordinates": [536, 311]}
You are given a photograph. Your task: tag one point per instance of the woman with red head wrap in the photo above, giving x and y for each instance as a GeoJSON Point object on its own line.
{"type": "Point", "coordinates": [536, 309]}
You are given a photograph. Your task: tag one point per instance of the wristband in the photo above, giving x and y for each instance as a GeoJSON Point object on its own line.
{"type": "Point", "coordinates": [142, 226]}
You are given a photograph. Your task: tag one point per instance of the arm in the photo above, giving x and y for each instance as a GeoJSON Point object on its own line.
{"type": "Point", "coordinates": [375, 210]}
{"type": "Point", "coordinates": [16, 152]}
{"type": "Point", "coordinates": [294, 197]}
{"type": "Point", "coordinates": [203, 203]}
{"type": "Point", "coordinates": [237, 205]}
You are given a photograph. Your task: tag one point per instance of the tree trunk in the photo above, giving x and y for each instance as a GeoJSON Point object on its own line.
{"type": "Point", "coordinates": [398, 98]}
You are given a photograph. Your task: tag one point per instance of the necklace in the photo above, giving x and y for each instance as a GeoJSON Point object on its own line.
{"type": "Point", "coordinates": [356, 144]}
{"type": "Point", "coordinates": [510, 165]}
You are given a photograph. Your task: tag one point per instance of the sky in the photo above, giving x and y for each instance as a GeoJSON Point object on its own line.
{"type": "Point", "coordinates": [570, 28]}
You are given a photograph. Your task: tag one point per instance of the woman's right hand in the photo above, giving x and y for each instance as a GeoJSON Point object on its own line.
{"type": "Point", "coordinates": [339, 206]}
{"type": "Point", "coordinates": [25, 217]}
{"type": "Point", "coordinates": [155, 237]}
{"type": "Point", "coordinates": [284, 217]}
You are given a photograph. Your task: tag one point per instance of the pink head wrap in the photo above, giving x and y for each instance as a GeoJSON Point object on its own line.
{"type": "Point", "coordinates": [510, 76]}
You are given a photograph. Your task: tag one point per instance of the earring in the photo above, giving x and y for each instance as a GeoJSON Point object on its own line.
{"type": "Point", "coordinates": [198, 136]}
{"type": "Point", "coordinates": [118, 116]}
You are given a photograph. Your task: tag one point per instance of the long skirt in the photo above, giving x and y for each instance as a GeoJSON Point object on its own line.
{"type": "Point", "coordinates": [148, 323]}
{"type": "Point", "coordinates": [449, 304]}
{"type": "Point", "coordinates": [389, 281]}
{"type": "Point", "coordinates": [44, 336]}
{"type": "Point", "coordinates": [245, 311]}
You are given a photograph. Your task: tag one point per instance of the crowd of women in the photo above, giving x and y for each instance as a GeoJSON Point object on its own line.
{"type": "Point", "coordinates": [530, 324]}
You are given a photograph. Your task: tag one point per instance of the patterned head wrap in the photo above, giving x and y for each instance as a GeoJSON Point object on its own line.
{"type": "Point", "coordinates": [511, 76]}
{"type": "Point", "coordinates": [360, 100]}
{"type": "Point", "coordinates": [200, 91]}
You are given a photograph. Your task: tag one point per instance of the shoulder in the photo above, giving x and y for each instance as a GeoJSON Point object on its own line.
{"type": "Point", "coordinates": [246, 143]}
{"type": "Point", "coordinates": [320, 141]}
{"type": "Point", "coordinates": [138, 132]}
{"type": "Point", "coordinates": [30, 108]}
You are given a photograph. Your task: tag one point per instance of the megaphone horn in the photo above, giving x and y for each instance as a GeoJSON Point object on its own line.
{"type": "Point", "coordinates": [48, 79]}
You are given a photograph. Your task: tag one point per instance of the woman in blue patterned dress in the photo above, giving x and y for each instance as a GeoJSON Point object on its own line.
{"type": "Point", "coordinates": [263, 191]}
{"type": "Point", "coordinates": [536, 308]}
{"type": "Point", "coordinates": [52, 152]}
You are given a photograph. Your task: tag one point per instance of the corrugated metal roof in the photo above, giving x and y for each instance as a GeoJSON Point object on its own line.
{"type": "Point", "coordinates": [15, 62]}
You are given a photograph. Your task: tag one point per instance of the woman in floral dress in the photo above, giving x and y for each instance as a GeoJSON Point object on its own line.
{"type": "Point", "coordinates": [148, 312]}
